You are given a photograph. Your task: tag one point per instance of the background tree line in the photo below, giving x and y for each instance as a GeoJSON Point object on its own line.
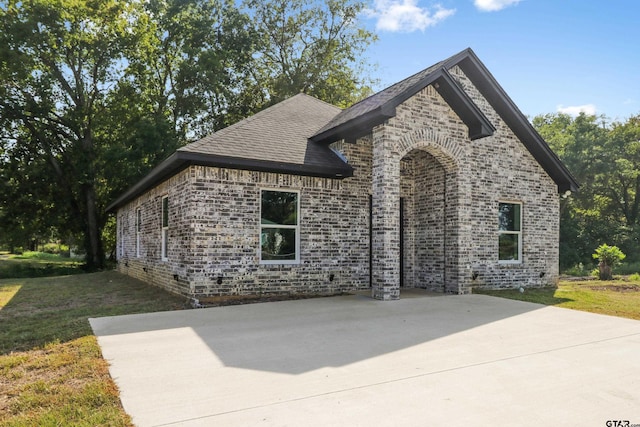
{"type": "Point", "coordinates": [95, 93]}
{"type": "Point", "coordinates": [604, 157]}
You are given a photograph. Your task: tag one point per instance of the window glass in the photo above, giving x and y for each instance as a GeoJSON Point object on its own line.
{"type": "Point", "coordinates": [279, 228]}
{"type": "Point", "coordinates": [509, 247]}
{"type": "Point", "coordinates": [165, 212]}
{"type": "Point", "coordinates": [138, 229]}
{"type": "Point", "coordinates": [278, 244]}
{"type": "Point", "coordinates": [279, 207]}
{"type": "Point", "coordinates": [509, 232]}
{"type": "Point", "coordinates": [510, 217]}
{"type": "Point", "coordinates": [165, 228]}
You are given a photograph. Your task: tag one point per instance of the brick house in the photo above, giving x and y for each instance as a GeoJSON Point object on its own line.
{"type": "Point", "coordinates": [437, 182]}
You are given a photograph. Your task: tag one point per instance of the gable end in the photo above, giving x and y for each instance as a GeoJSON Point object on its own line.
{"type": "Point", "coordinates": [478, 124]}
{"type": "Point", "coordinates": [487, 85]}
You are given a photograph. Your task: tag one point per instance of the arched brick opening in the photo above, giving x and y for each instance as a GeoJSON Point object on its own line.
{"type": "Point", "coordinates": [429, 174]}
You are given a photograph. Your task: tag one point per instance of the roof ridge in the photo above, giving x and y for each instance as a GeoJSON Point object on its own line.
{"type": "Point", "coordinates": [316, 99]}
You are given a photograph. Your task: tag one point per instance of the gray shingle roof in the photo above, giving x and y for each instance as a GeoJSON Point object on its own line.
{"type": "Point", "coordinates": [278, 134]}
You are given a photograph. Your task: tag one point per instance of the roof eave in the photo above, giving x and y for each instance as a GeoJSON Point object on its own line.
{"type": "Point", "coordinates": [355, 128]}
{"type": "Point", "coordinates": [169, 167]}
{"type": "Point", "coordinates": [182, 159]}
{"type": "Point", "coordinates": [478, 124]}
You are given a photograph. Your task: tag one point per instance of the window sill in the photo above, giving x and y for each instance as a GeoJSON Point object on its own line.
{"type": "Point", "coordinates": [277, 263]}
{"type": "Point", "coordinates": [508, 263]}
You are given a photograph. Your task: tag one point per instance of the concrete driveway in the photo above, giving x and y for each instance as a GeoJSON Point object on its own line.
{"type": "Point", "coordinates": [353, 361]}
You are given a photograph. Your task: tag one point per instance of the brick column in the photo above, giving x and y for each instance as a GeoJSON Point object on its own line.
{"type": "Point", "coordinates": [386, 217]}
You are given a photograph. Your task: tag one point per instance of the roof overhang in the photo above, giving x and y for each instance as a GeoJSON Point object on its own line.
{"type": "Point", "coordinates": [479, 126]}
{"type": "Point", "coordinates": [180, 160]}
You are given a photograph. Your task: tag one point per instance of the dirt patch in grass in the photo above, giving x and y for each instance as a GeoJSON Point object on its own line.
{"type": "Point", "coordinates": [576, 278]}
{"type": "Point", "coordinates": [615, 288]}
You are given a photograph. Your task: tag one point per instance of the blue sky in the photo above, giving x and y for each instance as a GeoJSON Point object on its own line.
{"type": "Point", "coordinates": [548, 55]}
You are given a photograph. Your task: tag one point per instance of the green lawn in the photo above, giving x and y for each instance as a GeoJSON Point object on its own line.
{"type": "Point", "coordinates": [616, 297]}
{"type": "Point", "coordinates": [51, 369]}
{"type": "Point", "coordinates": [37, 264]}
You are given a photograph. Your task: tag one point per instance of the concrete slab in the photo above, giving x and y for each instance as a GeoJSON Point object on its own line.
{"type": "Point", "coordinates": [353, 361]}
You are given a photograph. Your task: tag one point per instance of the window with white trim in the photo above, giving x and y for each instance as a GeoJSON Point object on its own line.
{"type": "Point", "coordinates": [165, 227]}
{"type": "Point", "coordinates": [279, 227]}
{"type": "Point", "coordinates": [510, 232]}
{"type": "Point", "coordinates": [138, 230]}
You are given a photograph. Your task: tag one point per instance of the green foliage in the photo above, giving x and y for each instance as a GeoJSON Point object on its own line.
{"type": "Point", "coordinates": [314, 47]}
{"type": "Point", "coordinates": [577, 270]}
{"type": "Point", "coordinates": [609, 255]}
{"type": "Point", "coordinates": [95, 94]}
{"type": "Point", "coordinates": [635, 277]}
{"type": "Point", "coordinates": [628, 268]}
{"type": "Point", "coordinates": [55, 248]}
{"type": "Point", "coordinates": [605, 159]}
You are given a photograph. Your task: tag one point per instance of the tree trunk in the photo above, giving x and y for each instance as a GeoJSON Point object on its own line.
{"type": "Point", "coordinates": [93, 242]}
{"type": "Point", "coordinates": [605, 271]}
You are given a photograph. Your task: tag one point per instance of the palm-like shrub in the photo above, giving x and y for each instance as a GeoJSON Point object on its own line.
{"type": "Point", "coordinates": [608, 257]}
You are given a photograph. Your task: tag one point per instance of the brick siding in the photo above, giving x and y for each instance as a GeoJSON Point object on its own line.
{"type": "Point", "coordinates": [451, 188]}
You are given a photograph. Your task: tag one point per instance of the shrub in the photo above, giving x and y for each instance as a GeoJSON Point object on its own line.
{"type": "Point", "coordinates": [608, 257]}
{"type": "Point", "coordinates": [577, 270]}
{"type": "Point", "coordinates": [55, 248]}
{"type": "Point", "coordinates": [628, 268]}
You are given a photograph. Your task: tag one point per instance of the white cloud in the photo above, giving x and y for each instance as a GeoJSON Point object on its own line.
{"type": "Point", "coordinates": [493, 5]}
{"type": "Point", "coordinates": [406, 15]}
{"type": "Point", "coordinates": [574, 110]}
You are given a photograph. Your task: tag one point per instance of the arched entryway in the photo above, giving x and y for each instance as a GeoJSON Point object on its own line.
{"type": "Point", "coordinates": [428, 221]}
{"type": "Point", "coordinates": [416, 206]}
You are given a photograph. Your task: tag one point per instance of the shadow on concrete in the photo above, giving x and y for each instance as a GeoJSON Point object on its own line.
{"type": "Point", "coordinates": [299, 336]}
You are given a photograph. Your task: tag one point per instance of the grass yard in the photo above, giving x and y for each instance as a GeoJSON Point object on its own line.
{"type": "Point", "coordinates": [51, 368]}
{"type": "Point", "coordinates": [37, 264]}
{"type": "Point", "coordinates": [619, 297]}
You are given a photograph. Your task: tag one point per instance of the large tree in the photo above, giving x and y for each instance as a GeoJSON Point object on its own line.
{"type": "Point", "coordinates": [95, 93]}
{"type": "Point", "coordinates": [314, 47]}
{"type": "Point", "coordinates": [60, 59]}
{"type": "Point", "coordinates": [100, 91]}
{"type": "Point", "coordinates": [194, 63]}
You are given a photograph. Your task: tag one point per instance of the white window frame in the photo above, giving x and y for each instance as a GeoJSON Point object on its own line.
{"type": "Point", "coordinates": [164, 227]}
{"type": "Point", "coordinates": [138, 230]}
{"type": "Point", "coordinates": [294, 227]}
{"type": "Point", "coordinates": [514, 232]}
